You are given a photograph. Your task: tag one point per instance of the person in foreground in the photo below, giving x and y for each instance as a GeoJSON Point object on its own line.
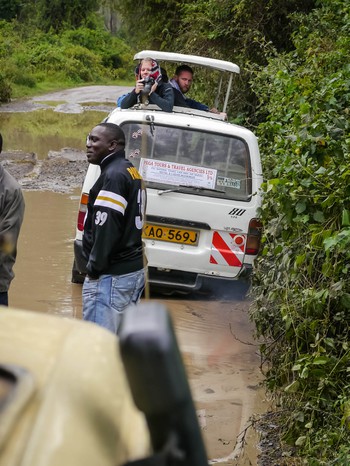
{"type": "Point", "coordinates": [112, 237]}
{"type": "Point", "coordinates": [181, 83]}
{"type": "Point", "coordinates": [11, 217]}
{"type": "Point", "coordinates": [160, 93]}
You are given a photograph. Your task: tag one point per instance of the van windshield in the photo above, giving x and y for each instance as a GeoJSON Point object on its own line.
{"type": "Point", "coordinates": [189, 160]}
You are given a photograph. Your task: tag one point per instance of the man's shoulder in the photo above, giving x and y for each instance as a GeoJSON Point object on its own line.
{"type": "Point", "coordinates": [118, 167]}
{"type": "Point", "coordinates": [179, 99]}
{"type": "Point", "coordinates": [8, 181]}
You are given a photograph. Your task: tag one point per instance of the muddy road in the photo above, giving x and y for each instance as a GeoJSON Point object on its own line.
{"type": "Point", "coordinates": [213, 330]}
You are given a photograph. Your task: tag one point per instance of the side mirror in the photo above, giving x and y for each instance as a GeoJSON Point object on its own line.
{"type": "Point", "coordinates": [159, 384]}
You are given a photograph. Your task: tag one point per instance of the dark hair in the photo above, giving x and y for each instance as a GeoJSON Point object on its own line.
{"type": "Point", "coordinates": [0, 142]}
{"type": "Point", "coordinates": [165, 78]}
{"type": "Point", "coordinates": [182, 68]}
{"type": "Point", "coordinates": [115, 132]}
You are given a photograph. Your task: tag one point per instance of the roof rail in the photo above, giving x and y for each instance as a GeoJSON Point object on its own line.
{"type": "Point", "coordinates": [194, 59]}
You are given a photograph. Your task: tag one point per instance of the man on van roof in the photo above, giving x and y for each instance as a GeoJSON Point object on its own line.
{"type": "Point", "coordinates": [182, 82]}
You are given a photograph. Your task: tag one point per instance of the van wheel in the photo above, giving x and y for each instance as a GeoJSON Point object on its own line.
{"type": "Point", "coordinates": [77, 277]}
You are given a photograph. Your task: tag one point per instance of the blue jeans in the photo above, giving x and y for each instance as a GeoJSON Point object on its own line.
{"type": "Point", "coordinates": [4, 300]}
{"type": "Point", "coordinates": [105, 298]}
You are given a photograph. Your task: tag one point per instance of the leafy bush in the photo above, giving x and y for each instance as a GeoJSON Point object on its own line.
{"type": "Point", "coordinates": [29, 56]}
{"type": "Point", "coordinates": [5, 90]}
{"type": "Point", "coordinates": [302, 284]}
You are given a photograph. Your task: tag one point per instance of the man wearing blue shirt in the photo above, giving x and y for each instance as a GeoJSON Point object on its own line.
{"type": "Point", "coordinates": [182, 82]}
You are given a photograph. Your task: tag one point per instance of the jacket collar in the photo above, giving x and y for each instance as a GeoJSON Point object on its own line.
{"type": "Point", "coordinates": [108, 159]}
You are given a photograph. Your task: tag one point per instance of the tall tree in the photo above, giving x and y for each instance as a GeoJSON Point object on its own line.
{"type": "Point", "coordinates": [9, 9]}
{"type": "Point", "coordinates": [233, 30]}
{"type": "Point", "coordinates": [56, 14]}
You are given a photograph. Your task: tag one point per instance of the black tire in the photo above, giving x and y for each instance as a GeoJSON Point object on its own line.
{"type": "Point", "coordinates": [77, 277]}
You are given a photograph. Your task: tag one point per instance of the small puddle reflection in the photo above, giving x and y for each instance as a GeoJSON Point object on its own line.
{"type": "Point", "coordinates": [221, 358]}
{"type": "Point", "coordinates": [42, 131]}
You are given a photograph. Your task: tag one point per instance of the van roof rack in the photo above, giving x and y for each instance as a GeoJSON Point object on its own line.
{"type": "Point", "coordinates": [212, 63]}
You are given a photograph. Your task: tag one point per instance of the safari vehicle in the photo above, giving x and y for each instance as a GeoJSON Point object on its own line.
{"type": "Point", "coordinates": [202, 175]}
{"type": "Point", "coordinates": [131, 407]}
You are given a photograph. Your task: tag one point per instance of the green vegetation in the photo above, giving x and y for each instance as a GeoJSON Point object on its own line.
{"type": "Point", "coordinates": [24, 130]}
{"type": "Point", "coordinates": [32, 60]}
{"type": "Point", "coordinates": [234, 30]}
{"type": "Point", "coordinates": [302, 284]}
{"type": "Point", "coordinates": [294, 92]}
{"type": "Point", "coordinates": [294, 88]}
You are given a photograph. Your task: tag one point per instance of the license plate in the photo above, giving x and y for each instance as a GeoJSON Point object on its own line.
{"type": "Point", "coordinates": [173, 235]}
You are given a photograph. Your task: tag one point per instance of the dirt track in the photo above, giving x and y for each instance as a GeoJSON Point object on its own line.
{"type": "Point", "coordinates": [64, 170]}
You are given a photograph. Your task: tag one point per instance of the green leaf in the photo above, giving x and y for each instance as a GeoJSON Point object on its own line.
{"type": "Point", "coordinates": [345, 218]}
{"type": "Point", "coordinates": [300, 207]}
{"type": "Point", "coordinates": [300, 441]}
{"type": "Point", "coordinates": [327, 269]}
{"type": "Point", "coordinates": [345, 300]}
{"type": "Point", "coordinates": [321, 360]}
{"type": "Point", "coordinates": [318, 216]}
{"type": "Point", "coordinates": [293, 387]}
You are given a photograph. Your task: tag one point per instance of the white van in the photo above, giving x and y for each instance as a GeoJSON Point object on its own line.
{"type": "Point", "coordinates": [202, 175]}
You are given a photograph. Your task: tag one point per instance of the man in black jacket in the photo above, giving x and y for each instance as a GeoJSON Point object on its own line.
{"type": "Point", "coordinates": [112, 239]}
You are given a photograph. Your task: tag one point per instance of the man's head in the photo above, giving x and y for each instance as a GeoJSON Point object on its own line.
{"type": "Point", "coordinates": [104, 139]}
{"type": "Point", "coordinates": [184, 77]}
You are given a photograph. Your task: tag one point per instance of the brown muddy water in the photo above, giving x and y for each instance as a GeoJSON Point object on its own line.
{"type": "Point", "coordinates": [214, 332]}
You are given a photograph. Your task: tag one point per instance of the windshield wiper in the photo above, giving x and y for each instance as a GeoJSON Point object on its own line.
{"type": "Point", "coordinates": [194, 188]}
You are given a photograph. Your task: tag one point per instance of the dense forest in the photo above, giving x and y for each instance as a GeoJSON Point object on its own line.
{"type": "Point", "coordinates": [294, 92]}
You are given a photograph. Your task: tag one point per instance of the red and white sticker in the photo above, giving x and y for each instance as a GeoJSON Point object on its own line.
{"type": "Point", "coordinates": [227, 249]}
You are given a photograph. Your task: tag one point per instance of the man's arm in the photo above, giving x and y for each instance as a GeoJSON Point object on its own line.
{"type": "Point", "coordinates": [11, 219]}
{"type": "Point", "coordinates": [129, 100]}
{"type": "Point", "coordinates": [12, 216]}
{"type": "Point", "coordinates": [197, 105]}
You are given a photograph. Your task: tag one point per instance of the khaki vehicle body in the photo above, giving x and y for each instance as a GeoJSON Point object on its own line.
{"type": "Point", "coordinates": [64, 395]}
